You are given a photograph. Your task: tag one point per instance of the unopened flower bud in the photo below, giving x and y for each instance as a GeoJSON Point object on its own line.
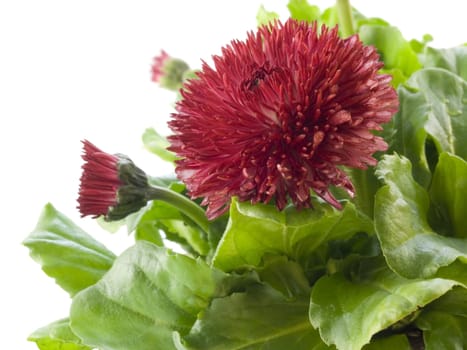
{"type": "Point", "coordinates": [111, 185]}
{"type": "Point", "coordinates": [169, 72]}
{"type": "Point", "coordinates": [114, 187]}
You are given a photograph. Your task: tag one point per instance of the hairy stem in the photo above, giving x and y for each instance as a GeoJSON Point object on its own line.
{"type": "Point", "coordinates": [182, 203]}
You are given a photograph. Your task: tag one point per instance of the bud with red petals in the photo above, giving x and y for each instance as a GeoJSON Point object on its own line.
{"type": "Point", "coordinates": [111, 185]}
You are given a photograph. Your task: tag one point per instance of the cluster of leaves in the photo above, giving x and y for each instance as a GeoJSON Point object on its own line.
{"type": "Point", "coordinates": [389, 271]}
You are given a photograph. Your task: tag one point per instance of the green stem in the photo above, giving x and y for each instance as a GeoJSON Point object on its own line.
{"type": "Point", "coordinates": [344, 14]}
{"type": "Point", "coordinates": [182, 203]}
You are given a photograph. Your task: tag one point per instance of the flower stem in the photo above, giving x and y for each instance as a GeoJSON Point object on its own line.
{"type": "Point", "coordinates": [344, 14]}
{"type": "Point", "coordinates": [182, 203]}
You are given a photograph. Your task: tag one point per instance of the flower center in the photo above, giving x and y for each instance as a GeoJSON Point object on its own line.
{"type": "Point", "coordinates": [258, 75]}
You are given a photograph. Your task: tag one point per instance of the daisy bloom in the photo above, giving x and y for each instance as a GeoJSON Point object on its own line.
{"type": "Point", "coordinates": [278, 115]}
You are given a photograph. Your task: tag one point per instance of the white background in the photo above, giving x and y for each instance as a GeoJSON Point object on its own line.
{"type": "Point", "coordinates": [71, 70]}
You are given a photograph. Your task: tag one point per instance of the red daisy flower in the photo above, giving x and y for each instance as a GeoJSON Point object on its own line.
{"type": "Point", "coordinates": [277, 116]}
{"type": "Point", "coordinates": [111, 185]}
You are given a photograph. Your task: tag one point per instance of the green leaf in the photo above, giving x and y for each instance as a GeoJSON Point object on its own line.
{"type": "Point", "coordinates": [329, 17]}
{"type": "Point", "coordinates": [255, 230]}
{"type": "Point", "coordinates": [162, 216]}
{"type": "Point", "coordinates": [448, 193]}
{"type": "Point", "coordinates": [149, 293]}
{"type": "Point", "coordinates": [167, 181]}
{"type": "Point", "coordinates": [157, 144]}
{"type": "Point", "coordinates": [366, 184]}
{"type": "Point", "coordinates": [453, 59]}
{"type": "Point", "coordinates": [398, 77]}
{"type": "Point", "coordinates": [456, 271]}
{"type": "Point", "coordinates": [348, 313]}
{"type": "Point", "coordinates": [361, 20]}
{"type": "Point", "coordinates": [259, 318]}
{"type": "Point", "coordinates": [433, 107]}
{"type": "Point", "coordinates": [444, 322]}
{"type": "Point", "coordinates": [144, 224]}
{"type": "Point", "coordinates": [66, 253]}
{"type": "Point", "coordinates": [420, 46]}
{"type": "Point", "coordinates": [301, 10]}
{"type": "Point", "coordinates": [263, 16]}
{"type": "Point", "coordinates": [110, 226]}
{"type": "Point", "coordinates": [409, 244]}
{"type": "Point", "coordinates": [286, 276]}
{"type": "Point", "coordinates": [395, 51]}
{"type": "Point", "coordinates": [57, 336]}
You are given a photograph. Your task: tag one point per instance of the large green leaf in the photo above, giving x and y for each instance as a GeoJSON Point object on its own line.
{"type": "Point", "coordinates": [255, 230]}
{"type": "Point", "coordinates": [349, 312]}
{"type": "Point", "coordinates": [444, 322]}
{"type": "Point", "coordinates": [259, 318]}
{"type": "Point", "coordinates": [149, 293]}
{"type": "Point", "coordinates": [57, 336]}
{"type": "Point", "coordinates": [66, 253]}
{"type": "Point", "coordinates": [448, 192]}
{"type": "Point", "coordinates": [453, 59]}
{"type": "Point", "coordinates": [433, 109]}
{"type": "Point", "coordinates": [409, 244]}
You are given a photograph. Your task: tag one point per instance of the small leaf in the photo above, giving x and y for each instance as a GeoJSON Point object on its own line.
{"type": "Point", "coordinates": [110, 226]}
{"type": "Point", "coordinates": [144, 224]}
{"type": "Point", "coordinates": [371, 21]}
{"type": "Point", "coordinates": [66, 253]}
{"type": "Point", "coordinates": [398, 77]}
{"type": "Point", "coordinates": [255, 230]}
{"type": "Point", "coordinates": [263, 16]}
{"type": "Point", "coordinates": [259, 318]}
{"type": "Point", "coordinates": [157, 144]}
{"type": "Point", "coordinates": [420, 46]}
{"type": "Point", "coordinates": [149, 293]}
{"type": "Point", "coordinates": [57, 336]}
{"type": "Point", "coordinates": [301, 10]}
{"type": "Point", "coordinates": [410, 246]}
{"type": "Point", "coordinates": [329, 17]}
{"type": "Point", "coordinates": [166, 181]}
{"type": "Point", "coordinates": [448, 192]}
{"type": "Point", "coordinates": [348, 313]}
